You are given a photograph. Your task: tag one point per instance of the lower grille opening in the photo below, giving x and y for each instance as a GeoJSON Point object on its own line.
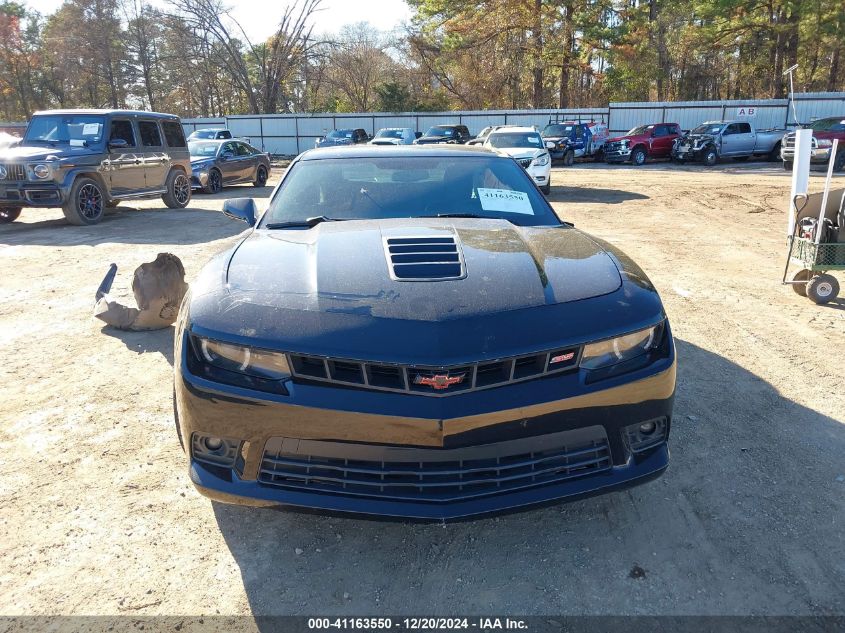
{"type": "Point", "coordinates": [435, 475]}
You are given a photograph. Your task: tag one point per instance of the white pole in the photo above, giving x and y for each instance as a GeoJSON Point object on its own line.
{"type": "Point", "coordinates": [827, 182]}
{"type": "Point", "coordinates": [800, 172]}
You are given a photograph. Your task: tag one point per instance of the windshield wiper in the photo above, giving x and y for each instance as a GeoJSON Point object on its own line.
{"type": "Point", "coordinates": [306, 223]}
{"type": "Point", "coordinates": [456, 215]}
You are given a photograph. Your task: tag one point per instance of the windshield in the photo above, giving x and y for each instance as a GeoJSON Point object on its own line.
{"type": "Point", "coordinates": [82, 130]}
{"type": "Point", "coordinates": [339, 134]}
{"type": "Point", "coordinates": [708, 128]}
{"type": "Point", "coordinates": [204, 134]}
{"type": "Point", "coordinates": [411, 186]}
{"type": "Point", "coordinates": [441, 131]}
{"type": "Point", "coordinates": [828, 125]}
{"type": "Point", "coordinates": [203, 149]}
{"type": "Point", "coordinates": [557, 129]}
{"type": "Point", "coordinates": [640, 129]}
{"type": "Point", "coordinates": [389, 134]}
{"type": "Point", "coordinates": [528, 140]}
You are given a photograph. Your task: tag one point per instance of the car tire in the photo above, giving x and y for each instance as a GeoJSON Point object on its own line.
{"type": "Point", "coordinates": [568, 158]}
{"type": "Point", "coordinates": [178, 190]}
{"type": "Point", "coordinates": [546, 189]}
{"type": "Point", "coordinates": [787, 165]}
{"type": "Point", "coordinates": [803, 276]}
{"type": "Point", "coordinates": [260, 177]}
{"type": "Point", "coordinates": [9, 214]}
{"type": "Point", "coordinates": [214, 184]}
{"type": "Point", "coordinates": [86, 203]}
{"type": "Point", "coordinates": [775, 153]}
{"type": "Point", "coordinates": [822, 289]}
{"type": "Point", "coordinates": [638, 157]}
{"type": "Point", "coordinates": [710, 157]}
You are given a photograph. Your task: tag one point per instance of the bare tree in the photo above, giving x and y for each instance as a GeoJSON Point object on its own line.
{"type": "Point", "coordinates": [259, 70]}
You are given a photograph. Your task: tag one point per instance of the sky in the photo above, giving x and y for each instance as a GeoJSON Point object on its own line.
{"type": "Point", "coordinates": [254, 15]}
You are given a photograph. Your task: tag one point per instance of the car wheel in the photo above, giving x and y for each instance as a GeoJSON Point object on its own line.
{"type": "Point", "coordinates": [214, 183]}
{"type": "Point", "coordinates": [568, 158]}
{"type": "Point", "coordinates": [260, 176]}
{"type": "Point", "coordinates": [9, 214]}
{"type": "Point", "coordinates": [803, 276]}
{"type": "Point", "coordinates": [86, 204]}
{"type": "Point", "coordinates": [787, 165]}
{"type": "Point", "coordinates": [775, 153]}
{"type": "Point", "coordinates": [710, 157]}
{"type": "Point", "coordinates": [822, 289]}
{"type": "Point", "coordinates": [546, 189]}
{"type": "Point", "coordinates": [638, 157]}
{"type": "Point", "coordinates": [178, 190]}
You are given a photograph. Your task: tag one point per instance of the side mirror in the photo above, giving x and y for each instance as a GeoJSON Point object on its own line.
{"type": "Point", "coordinates": [242, 209]}
{"type": "Point", "coordinates": [118, 143]}
{"type": "Point", "coordinates": [550, 144]}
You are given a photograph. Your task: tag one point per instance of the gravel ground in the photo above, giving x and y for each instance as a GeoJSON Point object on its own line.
{"type": "Point", "coordinates": [98, 516]}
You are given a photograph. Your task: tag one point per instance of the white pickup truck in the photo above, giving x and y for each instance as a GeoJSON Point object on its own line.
{"type": "Point", "coordinates": [739, 140]}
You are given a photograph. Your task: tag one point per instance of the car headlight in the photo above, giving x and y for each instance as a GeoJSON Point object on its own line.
{"type": "Point", "coordinates": [541, 161]}
{"type": "Point", "coordinates": [620, 349]}
{"type": "Point", "coordinates": [242, 359]}
{"type": "Point", "coordinates": [825, 142]}
{"type": "Point", "coordinates": [41, 171]}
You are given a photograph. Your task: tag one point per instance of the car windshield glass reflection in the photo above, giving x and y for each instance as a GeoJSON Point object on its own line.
{"type": "Point", "coordinates": [557, 130]}
{"type": "Point", "coordinates": [441, 131]}
{"type": "Point", "coordinates": [707, 128]}
{"type": "Point", "coordinates": [74, 129]}
{"type": "Point", "coordinates": [530, 141]}
{"type": "Point", "coordinates": [389, 134]}
{"type": "Point", "coordinates": [381, 188]}
{"type": "Point", "coordinates": [339, 134]}
{"type": "Point", "coordinates": [203, 149]}
{"type": "Point", "coordinates": [828, 125]}
{"type": "Point", "coordinates": [641, 129]}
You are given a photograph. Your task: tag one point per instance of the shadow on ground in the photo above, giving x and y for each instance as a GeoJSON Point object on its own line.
{"type": "Point", "coordinates": [592, 194]}
{"type": "Point", "coordinates": [747, 520]}
{"type": "Point", "coordinates": [144, 342]}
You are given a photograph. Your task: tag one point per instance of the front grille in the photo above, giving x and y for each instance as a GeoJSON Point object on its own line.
{"type": "Point", "coordinates": [434, 381]}
{"type": "Point", "coordinates": [14, 171]}
{"type": "Point", "coordinates": [788, 141]}
{"type": "Point", "coordinates": [433, 475]}
{"type": "Point", "coordinates": [424, 258]}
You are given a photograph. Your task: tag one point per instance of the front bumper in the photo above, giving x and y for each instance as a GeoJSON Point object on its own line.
{"type": "Point", "coordinates": [540, 174]}
{"type": "Point", "coordinates": [30, 193]}
{"type": "Point", "coordinates": [355, 435]}
{"type": "Point", "coordinates": [817, 154]}
{"type": "Point", "coordinates": [680, 152]}
{"type": "Point", "coordinates": [617, 153]}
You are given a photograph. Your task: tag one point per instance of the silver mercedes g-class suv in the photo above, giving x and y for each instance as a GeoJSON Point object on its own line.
{"type": "Point", "coordinates": [86, 161]}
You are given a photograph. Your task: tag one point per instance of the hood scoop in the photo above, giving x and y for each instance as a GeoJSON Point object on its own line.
{"type": "Point", "coordinates": [424, 258]}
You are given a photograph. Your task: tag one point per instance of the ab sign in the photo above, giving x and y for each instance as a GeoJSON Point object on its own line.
{"type": "Point", "coordinates": [748, 112]}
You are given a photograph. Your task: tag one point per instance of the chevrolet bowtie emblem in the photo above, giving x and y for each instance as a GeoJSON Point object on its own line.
{"type": "Point", "coordinates": [439, 381]}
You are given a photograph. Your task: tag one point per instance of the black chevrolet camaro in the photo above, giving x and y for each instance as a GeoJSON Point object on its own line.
{"type": "Point", "coordinates": [413, 332]}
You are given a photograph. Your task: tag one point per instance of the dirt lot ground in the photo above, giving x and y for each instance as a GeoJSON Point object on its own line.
{"type": "Point", "coordinates": [97, 515]}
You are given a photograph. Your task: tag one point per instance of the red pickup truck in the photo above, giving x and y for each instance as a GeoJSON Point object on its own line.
{"type": "Point", "coordinates": [824, 131]}
{"type": "Point", "coordinates": [645, 141]}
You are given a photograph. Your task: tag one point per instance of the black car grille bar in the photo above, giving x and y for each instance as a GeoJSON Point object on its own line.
{"type": "Point", "coordinates": [433, 475]}
{"type": "Point", "coordinates": [424, 258]}
{"type": "Point", "coordinates": [432, 380]}
{"type": "Point", "coordinates": [789, 141]}
{"type": "Point", "coordinates": [15, 172]}
{"type": "Point", "coordinates": [525, 162]}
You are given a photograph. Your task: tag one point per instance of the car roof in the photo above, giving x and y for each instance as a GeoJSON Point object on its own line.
{"type": "Point", "coordinates": [399, 151]}
{"type": "Point", "coordinates": [211, 129]}
{"type": "Point", "coordinates": [102, 111]}
{"type": "Point", "coordinates": [219, 141]}
{"type": "Point", "coordinates": [510, 129]}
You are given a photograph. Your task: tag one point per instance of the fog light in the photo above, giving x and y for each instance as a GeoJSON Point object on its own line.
{"type": "Point", "coordinates": [217, 451]}
{"type": "Point", "coordinates": [214, 444]}
{"type": "Point", "coordinates": [647, 428]}
{"type": "Point", "coordinates": [645, 435]}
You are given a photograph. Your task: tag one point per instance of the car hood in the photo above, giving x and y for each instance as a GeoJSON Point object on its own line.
{"type": "Point", "coordinates": [435, 139]}
{"type": "Point", "coordinates": [522, 152]}
{"type": "Point", "coordinates": [386, 141]}
{"type": "Point", "coordinates": [41, 152]}
{"type": "Point", "coordinates": [342, 267]}
{"type": "Point", "coordinates": [616, 139]}
{"type": "Point", "coordinates": [328, 291]}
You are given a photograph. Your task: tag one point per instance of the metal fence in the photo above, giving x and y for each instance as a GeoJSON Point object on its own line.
{"type": "Point", "coordinates": [290, 134]}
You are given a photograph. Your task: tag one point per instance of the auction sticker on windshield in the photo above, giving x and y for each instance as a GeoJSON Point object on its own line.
{"type": "Point", "coordinates": [505, 200]}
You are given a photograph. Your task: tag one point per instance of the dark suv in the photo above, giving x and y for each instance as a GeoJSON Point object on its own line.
{"type": "Point", "coordinates": [452, 134]}
{"type": "Point", "coordinates": [86, 161]}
